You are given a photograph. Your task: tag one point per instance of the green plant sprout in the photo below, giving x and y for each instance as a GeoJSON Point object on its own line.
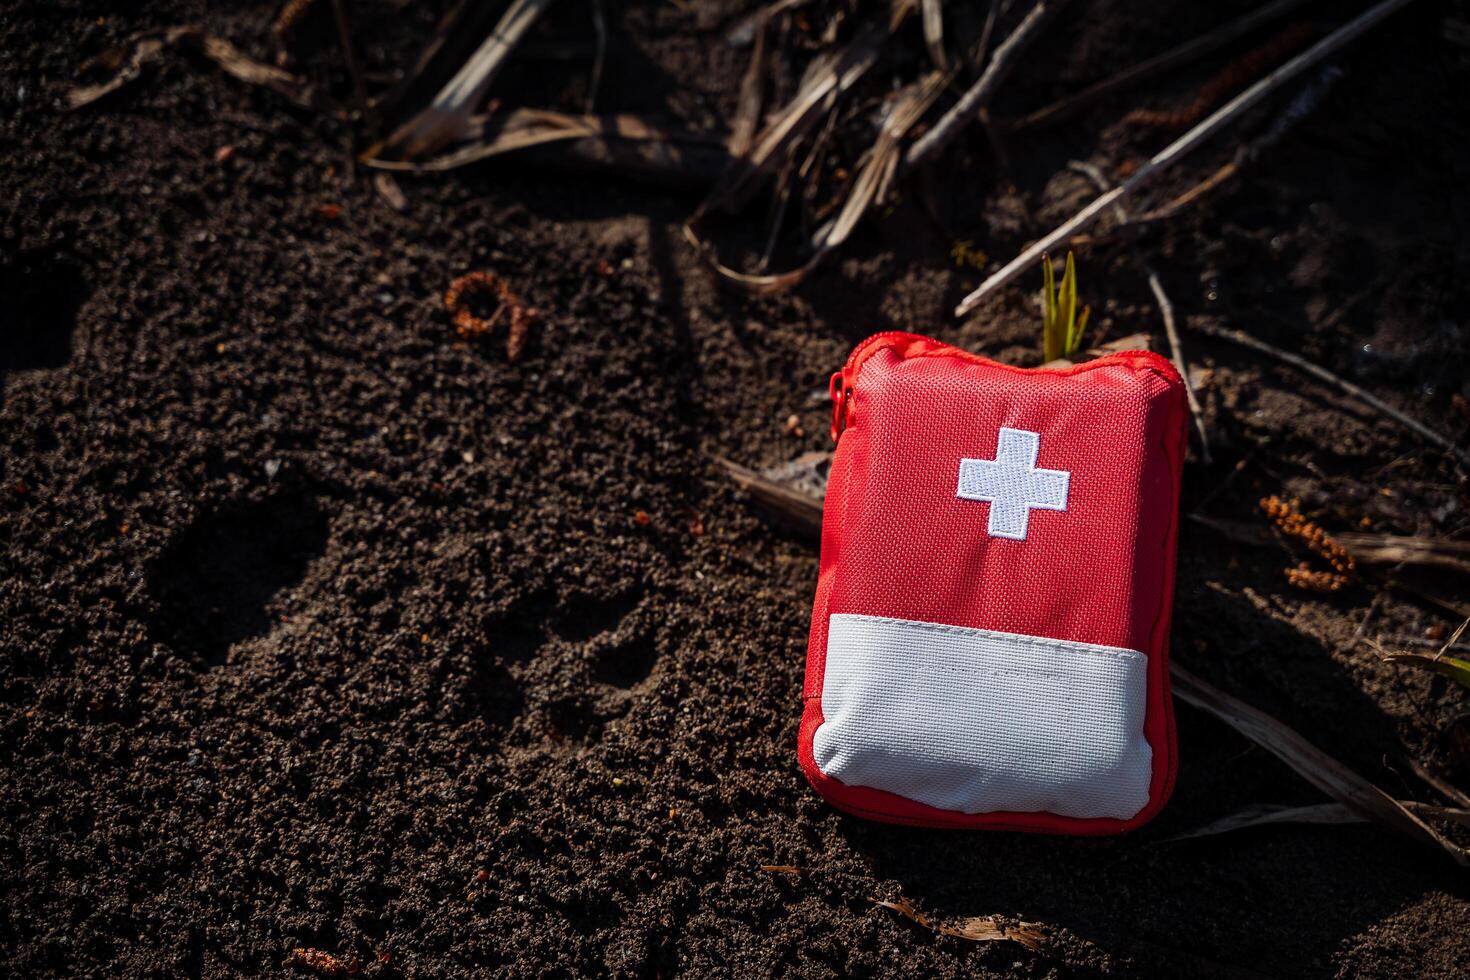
{"type": "Point", "coordinates": [1061, 324]}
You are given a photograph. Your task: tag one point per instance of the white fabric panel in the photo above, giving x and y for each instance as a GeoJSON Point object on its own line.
{"type": "Point", "coordinates": [977, 721]}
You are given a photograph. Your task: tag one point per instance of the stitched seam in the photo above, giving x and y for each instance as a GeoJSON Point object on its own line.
{"type": "Point", "coordinates": [1068, 647]}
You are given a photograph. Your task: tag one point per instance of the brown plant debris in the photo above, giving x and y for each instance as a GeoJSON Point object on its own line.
{"type": "Point", "coordinates": [980, 928]}
{"type": "Point", "coordinates": [1304, 576]}
{"type": "Point", "coordinates": [1233, 76]}
{"type": "Point", "coordinates": [290, 17]}
{"type": "Point", "coordinates": [1287, 516]}
{"type": "Point", "coordinates": [470, 326]}
{"type": "Point", "coordinates": [125, 64]}
{"type": "Point", "coordinates": [324, 963]}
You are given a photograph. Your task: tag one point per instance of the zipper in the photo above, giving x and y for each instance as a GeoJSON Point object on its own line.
{"type": "Point", "coordinates": [843, 383]}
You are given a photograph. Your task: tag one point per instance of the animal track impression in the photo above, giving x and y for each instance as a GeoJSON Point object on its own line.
{"type": "Point", "coordinates": [41, 294]}
{"type": "Point", "coordinates": [215, 582]}
{"type": "Point", "coordinates": [575, 665]}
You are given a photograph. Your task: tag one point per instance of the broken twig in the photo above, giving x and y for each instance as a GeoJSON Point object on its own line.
{"type": "Point", "coordinates": [967, 109]}
{"type": "Point", "coordinates": [801, 510]}
{"type": "Point", "coordinates": [1177, 150]}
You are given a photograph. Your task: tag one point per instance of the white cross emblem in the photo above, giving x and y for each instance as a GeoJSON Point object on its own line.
{"type": "Point", "coordinates": [1012, 484]}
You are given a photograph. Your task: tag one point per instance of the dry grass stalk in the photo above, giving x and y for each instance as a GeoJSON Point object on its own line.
{"type": "Point", "coordinates": [1444, 786]}
{"type": "Point", "coordinates": [871, 183]}
{"type": "Point", "coordinates": [447, 116]}
{"type": "Point", "coordinates": [933, 16]}
{"type": "Point", "coordinates": [1305, 103]}
{"type": "Point", "coordinates": [1181, 147]}
{"type": "Point", "coordinates": [293, 12]}
{"type": "Point", "coordinates": [1311, 763]}
{"type": "Point", "coordinates": [1454, 668]}
{"type": "Point", "coordinates": [826, 80]}
{"type": "Point", "coordinates": [1266, 814]}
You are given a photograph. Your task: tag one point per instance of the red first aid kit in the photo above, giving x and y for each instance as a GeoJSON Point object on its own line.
{"type": "Point", "coordinates": [989, 642]}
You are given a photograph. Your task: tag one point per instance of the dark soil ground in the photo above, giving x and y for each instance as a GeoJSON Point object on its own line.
{"type": "Point", "coordinates": [319, 628]}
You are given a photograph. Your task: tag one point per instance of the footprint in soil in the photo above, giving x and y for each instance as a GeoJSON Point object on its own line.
{"type": "Point", "coordinates": [595, 649]}
{"type": "Point", "coordinates": [214, 584]}
{"type": "Point", "coordinates": [41, 294]}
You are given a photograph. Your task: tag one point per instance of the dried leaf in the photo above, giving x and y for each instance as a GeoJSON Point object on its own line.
{"type": "Point", "coordinates": [626, 142]}
{"type": "Point", "coordinates": [983, 928]}
{"type": "Point", "coordinates": [978, 929]}
{"type": "Point", "coordinates": [904, 908]}
{"type": "Point", "coordinates": [1314, 765]}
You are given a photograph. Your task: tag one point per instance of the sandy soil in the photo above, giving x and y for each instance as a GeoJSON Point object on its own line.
{"type": "Point", "coordinates": [319, 628]}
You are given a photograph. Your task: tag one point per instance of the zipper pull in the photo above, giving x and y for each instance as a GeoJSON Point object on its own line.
{"type": "Point", "coordinates": [837, 389]}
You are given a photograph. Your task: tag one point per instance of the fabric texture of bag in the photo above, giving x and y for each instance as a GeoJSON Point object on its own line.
{"type": "Point", "coordinates": [989, 642]}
